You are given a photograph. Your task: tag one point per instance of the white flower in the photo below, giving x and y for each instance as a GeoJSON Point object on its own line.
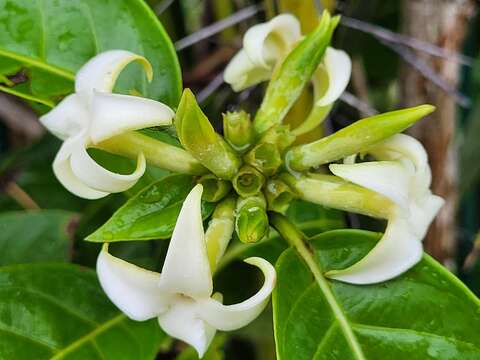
{"type": "Point", "coordinates": [402, 175]}
{"type": "Point", "coordinates": [93, 114]}
{"type": "Point", "coordinates": [181, 296]}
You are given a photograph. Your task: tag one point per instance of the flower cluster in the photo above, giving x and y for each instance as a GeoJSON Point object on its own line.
{"type": "Point", "coordinates": [257, 167]}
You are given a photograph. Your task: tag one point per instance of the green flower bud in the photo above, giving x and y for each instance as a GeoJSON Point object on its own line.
{"type": "Point", "coordinates": [294, 74]}
{"type": "Point", "coordinates": [265, 157]}
{"type": "Point", "coordinates": [279, 196]}
{"type": "Point", "coordinates": [354, 138]}
{"type": "Point", "coordinates": [214, 189]}
{"type": "Point", "coordinates": [251, 223]}
{"type": "Point", "coordinates": [156, 152]}
{"type": "Point", "coordinates": [248, 181]}
{"type": "Point", "coordinates": [238, 131]}
{"type": "Point", "coordinates": [334, 192]}
{"type": "Point", "coordinates": [220, 230]}
{"type": "Point", "coordinates": [198, 136]}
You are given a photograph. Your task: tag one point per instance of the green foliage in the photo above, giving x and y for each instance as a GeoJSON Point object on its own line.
{"type": "Point", "coordinates": [49, 40]}
{"type": "Point", "coordinates": [150, 214]}
{"type": "Point", "coordinates": [27, 237]}
{"type": "Point", "coordinates": [426, 313]}
{"type": "Point", "coordinates": [60, 312]}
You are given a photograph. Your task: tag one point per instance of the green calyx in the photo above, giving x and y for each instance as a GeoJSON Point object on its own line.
{"type": "Point", "coordinates": [238, 130]}
{"type": "Point", "coordinates": [248, 181]}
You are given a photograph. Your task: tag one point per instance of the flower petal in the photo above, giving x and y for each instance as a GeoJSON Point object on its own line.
{"type": "Point", "coordinates": [63, 170]}
{"type": "Point", "coordinates": [132, 289]}
{"type": "Point", "coordinates": [389, 178]}
{"type": "Point", "coordinates": [336, 69]}
{"type": "Point", "coordinates": [242, 73]}
{"type": "Point", "coordinates": [114, 114]}
{"type": "Point", "coordinates": [182, 322]}
{"type": "Point", "coordinates": [396, 252]}
{"type": "Point", "coordinates": [186, 269]}
{"type": "Point", "coordinates": [101, 72]}
{"type": "Point", "coordinates": [267, 43]}
{"type": "Point", "coordinates": [67, 119]}
{"type": "Point", "coordinates": [422, 213]}
{"type": "Point", "coordinates": [231, 317]}
{"type": "Point", "coordinates": [97, 177]}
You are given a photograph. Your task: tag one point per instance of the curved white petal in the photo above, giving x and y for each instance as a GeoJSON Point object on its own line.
{"type": "Point", "coordinates": [422, 213]}
{"type": "Point", "coordinates": [132, 289]}
{"type": "Point", "coordinates": [182, 322]}
{"type": "Point", "coordinates": [268, 42]}
{"type": "Point", "coordinates": [231, 317]}
{"type": "Point", "coordinates": [101, 72]}
{"type": "Point", "coordinates": [242, 73]}
{"type": "Point", "coordinates": [63, 170]}
{"type": "Point", "coordinates": [396, 252]}
{"type": "Point", "coordinates": [68, 118]}
{"type": "Point", "coordinates": [336, 69]}
{"type": "Point", "coordinates": [186, 269]}
{"type": "Point", "coordinates": [114, 114]}
{"type": "Point", "coordinates": [97, 177]}
{"type": "Point", "coordinates": [389, 178]}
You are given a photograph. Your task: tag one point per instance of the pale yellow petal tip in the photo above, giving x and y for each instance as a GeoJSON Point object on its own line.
{"type": "Point", "coordinates": [147, 67]}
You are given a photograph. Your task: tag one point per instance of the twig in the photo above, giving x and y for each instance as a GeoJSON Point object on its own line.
{"type": "Point", "coordinates": [364, 108]}
{"type": "Point", "coordinates": [395, 38]}
{"type": "Point", "coordinates": [20, 196]}
{"type": "Point", "coordinates": [217, 27]}
{"type": "Point", "coordinates": [210, 88]}
{"type": "Point", "coordinates": [162, 6]}
{"type": "Point", "coordinates": [423, 68]}
{"type": "Point", "coordinates": [473, 256]}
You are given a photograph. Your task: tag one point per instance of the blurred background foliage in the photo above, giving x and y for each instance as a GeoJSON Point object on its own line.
{"type": "Point", "coordinates": [378, 34]}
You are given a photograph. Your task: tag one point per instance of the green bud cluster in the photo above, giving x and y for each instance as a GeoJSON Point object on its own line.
{"type": "Point", "coordinates": [256, 167]}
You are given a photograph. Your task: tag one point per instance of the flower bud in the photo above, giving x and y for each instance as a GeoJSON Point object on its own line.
{"type": "Point", "coordinates": [248, 181]}
{"type": "Point", "coordinates": [237, 129]}
{"type": "Point", "coordinates": [214, 189]}
{"type": "Point", "coordinates": [251, 222]}
{"type": "Point", "coordinates": [295, 72]}
{"type": "Point", "coordinates": [354, 138]}
{"type": "Point", "coordinates": [198, 136]}
{"type": "Point", "coordinates": [265, 157]}
{"type": "Point", "coordinates": [334, 192]}
{"type": "Point", "coordinates": [279, 196]}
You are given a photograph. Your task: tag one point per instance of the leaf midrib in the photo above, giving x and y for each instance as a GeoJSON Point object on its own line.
{"type": "Point", "coordinates": [336, 308]}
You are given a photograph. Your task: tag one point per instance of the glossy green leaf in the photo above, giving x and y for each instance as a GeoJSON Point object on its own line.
{"type": "Point", "coordinates": [50, 39]}
{"type": "Point", "coordinates": [35, 236]}
{"type": "Point", "coordinates": [426, 313]}
{"type": "Point", "coordinates": [60, 312]}
{"type": "Point", "coordinates": [150, 214]}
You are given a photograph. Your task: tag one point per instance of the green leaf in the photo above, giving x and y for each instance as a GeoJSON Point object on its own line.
{"type": "Point", "coordinates": [151, 214]}
{"type": "Point", "coordinates": [33, 236]}
{"type": "Point", "coordinates": [60, 312]}
{"type": "Point", "coordinates": [51, 39]}
{"type": "Point", "coordinates": [426, 313]}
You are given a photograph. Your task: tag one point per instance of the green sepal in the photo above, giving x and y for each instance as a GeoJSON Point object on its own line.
{"type": "Point", "coordinates": [294, 74]}
{"type": "Point", "coordinates": [248, 181]}
{"type": "Point", "coordinates": [238, 130]}
{"type": "Point", "coordinates": [251, 223]}
{"type": "Point", "coordinates": [354, 138]}
{"type": "Point", "coordinates": [214, 189]}
{"type": "Point", "coordinates": [198, 136]}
